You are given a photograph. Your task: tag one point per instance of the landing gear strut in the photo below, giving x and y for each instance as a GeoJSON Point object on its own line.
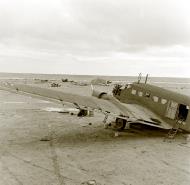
{"type": "Point", "coordinates": [82, 113]}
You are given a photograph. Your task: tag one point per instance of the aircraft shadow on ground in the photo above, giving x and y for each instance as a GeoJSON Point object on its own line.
{"type": "Point", "coordinates": [78, 136]}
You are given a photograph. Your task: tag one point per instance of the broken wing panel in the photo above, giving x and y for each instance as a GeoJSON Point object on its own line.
{"type": "Point", "coordinates": [146, 116]}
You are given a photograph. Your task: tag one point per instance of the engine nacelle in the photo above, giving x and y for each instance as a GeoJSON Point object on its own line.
{"type": "Point", "coordinates": [99, 94]}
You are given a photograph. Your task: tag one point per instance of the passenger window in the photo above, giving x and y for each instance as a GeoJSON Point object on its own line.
{"type": "Point", "coordinates": [163, 101]}
{"type": "Point", "coordinates": [155, 98]}
{"type": "Point", "coordinates": [133, 91]}
{"type": "Point", "coordinates": [147, 95]}
{"type": "Point", "coordinates": [140, 93]}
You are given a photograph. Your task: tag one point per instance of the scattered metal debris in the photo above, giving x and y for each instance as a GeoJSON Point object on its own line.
{"type": "Point", "coordinates": [46, 138]}
{"type": "Point", "coordinates": [90, 182]}
{"type": "Point", "coordinates": [36, 80]}
{"type": "Point", "coordinates": [55, 85]}
{"type": "Point", "coordinates": [64, 80]}
{"type": "Point", "coordinates": [80, 83]}
{"type": "Point", "coordinates": [84, 112]}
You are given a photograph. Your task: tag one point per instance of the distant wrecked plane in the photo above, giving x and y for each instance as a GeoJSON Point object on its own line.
{"type": "Point", "coordinates": [135, 103]}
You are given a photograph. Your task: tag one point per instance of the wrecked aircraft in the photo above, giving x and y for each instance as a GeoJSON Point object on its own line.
{"type": "Point", "coordinates": [136, 103]}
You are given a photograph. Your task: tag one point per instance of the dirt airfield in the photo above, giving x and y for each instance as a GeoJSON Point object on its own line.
{"type": "Point", "coordinates": [40, 147]}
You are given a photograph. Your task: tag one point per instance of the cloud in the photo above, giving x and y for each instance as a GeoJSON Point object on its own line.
{"type": "Point", "coordinates": [100, 32]}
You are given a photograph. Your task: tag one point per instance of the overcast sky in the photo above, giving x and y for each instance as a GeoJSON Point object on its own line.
{"type": "Point", "coordinates": [106, 37]}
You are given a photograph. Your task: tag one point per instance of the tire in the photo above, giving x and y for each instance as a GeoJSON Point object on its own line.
{"type": "Point", "coordinates": [120, 124]}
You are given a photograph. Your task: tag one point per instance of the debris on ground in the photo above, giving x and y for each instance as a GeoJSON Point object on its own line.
{"type": "Point", "coordinates": [46, 138]}
{"type": "Point", "coordinates": [36, 80]}
{"type": "Point", "coordinates": [84, 112]}
{"type": "Point", "coordinates": [64, 80]}
{"type": "Point", "coordinates": [80, 83]}
{"type": "Point", "coordinates": [55, 85]}
{"type": "Point", "coordinates": [90, 182]}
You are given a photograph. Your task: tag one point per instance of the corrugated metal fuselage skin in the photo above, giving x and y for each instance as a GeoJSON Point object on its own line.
{"type": "Point", "coordinates": [145, 94]}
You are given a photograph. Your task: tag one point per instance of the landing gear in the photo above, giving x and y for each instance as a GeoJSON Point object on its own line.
{"type": "Point", "coordinates": [82, 113]}
{"type": "Point", "coordinates": [120, 124]}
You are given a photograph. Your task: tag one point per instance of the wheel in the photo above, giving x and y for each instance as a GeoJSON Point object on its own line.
{"type": "Point", "coordinates": [120, 124]}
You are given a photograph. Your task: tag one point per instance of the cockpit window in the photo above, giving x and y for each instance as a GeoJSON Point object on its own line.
{"type": "Point", "coordinates": [163, 101]}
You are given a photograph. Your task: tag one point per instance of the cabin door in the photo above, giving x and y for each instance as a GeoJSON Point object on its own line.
{"type": "Point", "coordinates": [171, 109]}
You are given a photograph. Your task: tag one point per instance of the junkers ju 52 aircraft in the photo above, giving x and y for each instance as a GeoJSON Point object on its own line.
{"type": "Point", "coordinates": [140, 103]}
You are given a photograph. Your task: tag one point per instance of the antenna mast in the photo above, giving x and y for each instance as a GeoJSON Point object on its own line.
{"type": "Point", "coordinates": [139, 78]}
{"type": "Point", "coordinates": [146, 79]}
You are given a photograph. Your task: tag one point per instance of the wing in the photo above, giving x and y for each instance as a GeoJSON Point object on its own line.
{"type": "Point", "coordinates": [83, 102]}
{"type": "Point", "coordinates": [145, 116]}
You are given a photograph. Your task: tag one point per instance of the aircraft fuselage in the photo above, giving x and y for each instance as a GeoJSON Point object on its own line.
{"type": "Point", "coordinates": [169, 105]}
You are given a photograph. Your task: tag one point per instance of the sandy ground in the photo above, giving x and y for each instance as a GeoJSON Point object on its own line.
{"type": "Point", "coordinates": [38, 147]}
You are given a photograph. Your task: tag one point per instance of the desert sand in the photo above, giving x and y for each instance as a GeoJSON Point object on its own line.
{"type": "Point", "coordinates": [40, 147]}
